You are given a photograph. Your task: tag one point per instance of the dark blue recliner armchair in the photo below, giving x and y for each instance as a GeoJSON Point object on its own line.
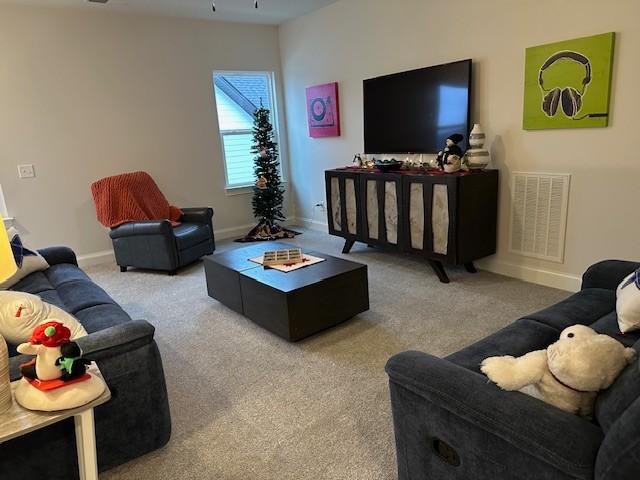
{"type": "Point", "coordinates": [156, 245]}
{"type": "Point", "coordinates": [451, 423]}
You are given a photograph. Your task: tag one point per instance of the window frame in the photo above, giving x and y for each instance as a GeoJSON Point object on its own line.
{"type": "Point", "coordinates": [234, 189]}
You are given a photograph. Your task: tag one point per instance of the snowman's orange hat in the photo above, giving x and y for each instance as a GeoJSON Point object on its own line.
{"type": "Point", "coordinates": [50, 334]}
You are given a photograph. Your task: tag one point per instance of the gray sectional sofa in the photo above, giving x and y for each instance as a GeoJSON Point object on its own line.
{"type": "Point", "coordinates": [451, 423]}
{"type": "Point", "coordinates": [135, 421]}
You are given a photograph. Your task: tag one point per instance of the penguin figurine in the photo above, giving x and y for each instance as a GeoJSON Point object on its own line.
{"type": "Point", "coordinates": [71, 362]}
{"type": "Point", "coordinates": [57, 357]}
{"type": "Point", "coordinates": [451, 148]}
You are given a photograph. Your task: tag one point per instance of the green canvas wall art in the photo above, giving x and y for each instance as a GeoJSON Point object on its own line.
{"type": "Point", "coordinates": [568, 84]}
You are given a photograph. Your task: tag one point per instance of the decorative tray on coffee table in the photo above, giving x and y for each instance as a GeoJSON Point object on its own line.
{"type": "Point", "coordinates": [289, 256]}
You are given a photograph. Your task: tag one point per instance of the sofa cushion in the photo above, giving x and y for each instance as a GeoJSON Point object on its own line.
{"type": "Point", "coordinates": [50, 279]}
{"type": "Point", "coordinates": [520, 337]}
{"type": "Point", "coordinates": [585, 308]}
{"type": "Point", "coordinates": [190, 234]}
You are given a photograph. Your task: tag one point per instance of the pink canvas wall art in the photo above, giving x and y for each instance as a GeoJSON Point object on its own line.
{"type": "Point", "coordinates": [323, 110]}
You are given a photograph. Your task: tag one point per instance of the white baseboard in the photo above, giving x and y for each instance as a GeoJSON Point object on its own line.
{"type": "Point", "coordinates": [562, 281]}
{"type": "Point", "coordinates": [311, 224]}
{"type": "Point", "coordinates": [232, 232]}
{"type": "Point", "coordinates": [97, 258]}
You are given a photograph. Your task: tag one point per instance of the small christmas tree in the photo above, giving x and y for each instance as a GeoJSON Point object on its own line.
{"type": "Point", "coordinates": [268, 193]}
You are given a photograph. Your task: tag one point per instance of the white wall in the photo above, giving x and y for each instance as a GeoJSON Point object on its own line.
{"type": "Point", "coordinates": [356, 39]}
{"type": "Point", "coordinates": [89, 94]}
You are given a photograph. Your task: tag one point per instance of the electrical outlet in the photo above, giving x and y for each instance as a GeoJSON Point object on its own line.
{"type": "Point", "coordinates": [26, 171]}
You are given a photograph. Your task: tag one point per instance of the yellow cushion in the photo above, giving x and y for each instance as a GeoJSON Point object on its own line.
{"type": "Point", "coordinates": [8, 266]}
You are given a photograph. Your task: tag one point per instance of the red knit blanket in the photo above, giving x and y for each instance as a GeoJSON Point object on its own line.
{"type": "Point", "coordinates": [131, 197]}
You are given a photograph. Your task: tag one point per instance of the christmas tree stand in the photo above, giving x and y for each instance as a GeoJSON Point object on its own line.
{"type": "Point", "coordinates": [264, 232]}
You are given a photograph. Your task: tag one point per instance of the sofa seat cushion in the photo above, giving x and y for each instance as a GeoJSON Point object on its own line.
{"type": "Point", "coordinates": [520, 337]}
{"type": "Point", "coordinates": [190, 234]}
{"type": "Point", "coordinates": [50, 279]}
{"type": "Point", "coordinates": [585, 307]}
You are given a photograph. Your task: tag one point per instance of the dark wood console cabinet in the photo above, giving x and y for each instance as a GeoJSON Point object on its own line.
{"type": "Point", "coordinates": [446, 218]}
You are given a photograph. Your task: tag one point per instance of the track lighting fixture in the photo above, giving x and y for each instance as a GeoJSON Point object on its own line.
{"type": "Point", "coordinates": [213, 4]}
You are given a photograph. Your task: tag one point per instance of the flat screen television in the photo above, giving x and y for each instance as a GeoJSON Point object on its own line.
{"type": "Point", "coordinates": [415, 111]}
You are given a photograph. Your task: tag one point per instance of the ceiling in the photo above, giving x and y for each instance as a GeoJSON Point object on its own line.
{"type": "Point", "coordinates": [271, 12]}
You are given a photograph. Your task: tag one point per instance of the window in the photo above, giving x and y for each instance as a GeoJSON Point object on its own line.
{"type": "Point", "coordinates": [237, 95]}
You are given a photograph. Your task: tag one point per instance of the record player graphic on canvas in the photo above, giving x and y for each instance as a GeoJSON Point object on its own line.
{"type": "Point", "coordinates": [323, 110]}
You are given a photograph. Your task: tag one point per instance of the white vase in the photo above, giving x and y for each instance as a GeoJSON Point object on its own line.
{"type": "Point", "coordinates": [477, 137]}
{"type": "Point", "coordinates": [477, 158]}
{"type": "Point", "coordinates": [5, 386]}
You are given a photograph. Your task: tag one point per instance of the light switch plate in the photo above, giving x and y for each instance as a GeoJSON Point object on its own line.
{"type": "Point", "coordinates": [26, 171]}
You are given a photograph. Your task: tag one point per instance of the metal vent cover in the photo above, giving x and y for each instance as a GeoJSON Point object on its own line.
{"type": "Point", "coordinates": [539, 205]}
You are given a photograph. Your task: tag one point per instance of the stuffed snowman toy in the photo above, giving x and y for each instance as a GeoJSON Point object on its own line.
{"type": "Point", "coordinates": [57, 357]}
{"type": "Point", "coordinates": [57, 379]}
{"type": "Point", "coordinates": [568, 374]}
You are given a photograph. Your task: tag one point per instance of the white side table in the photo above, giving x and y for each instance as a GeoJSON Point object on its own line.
{"type": "Point", "coordinates": [18, 421]}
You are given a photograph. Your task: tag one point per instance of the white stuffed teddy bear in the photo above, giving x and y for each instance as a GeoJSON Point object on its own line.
{"type": "Point", "coordinates": [21, 312]}
{"type": "Point", "coordinates": [568, 374]}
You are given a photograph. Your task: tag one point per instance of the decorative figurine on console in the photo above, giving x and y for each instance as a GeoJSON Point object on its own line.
{"type": "Point", "coordinates": [449, 159]}
{"type": "Point", "coordinates": [57, 379]}
{"type": "Point", "coordinates": [357, 160]}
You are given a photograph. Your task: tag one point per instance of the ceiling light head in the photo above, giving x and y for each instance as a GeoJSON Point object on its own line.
{"type": "Point", "coordinates": [213, 3]}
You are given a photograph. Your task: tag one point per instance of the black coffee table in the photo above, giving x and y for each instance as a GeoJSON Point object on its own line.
{"type": "Point", "coordinates": [292, 305]}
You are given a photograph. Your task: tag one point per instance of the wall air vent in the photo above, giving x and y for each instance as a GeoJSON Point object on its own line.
{"type": "Point", "coordinates": [97, 1]}
{"type": "Point", "coordinates": [539, 215]}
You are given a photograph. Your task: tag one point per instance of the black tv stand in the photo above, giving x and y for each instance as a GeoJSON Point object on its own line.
{"type": "Point", "coordinates": [450, 219]}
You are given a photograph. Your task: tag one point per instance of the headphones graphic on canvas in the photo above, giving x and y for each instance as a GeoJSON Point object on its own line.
{"type": "Point", "coordinates": [569, 99]}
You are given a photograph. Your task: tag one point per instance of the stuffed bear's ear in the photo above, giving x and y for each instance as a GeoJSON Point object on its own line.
{"type": "Point", "coordinates": [630, 355]}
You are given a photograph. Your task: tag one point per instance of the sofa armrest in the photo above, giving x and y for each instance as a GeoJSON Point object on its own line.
{"type": "Point", "coordinates": [116, 340]}
{"type": "Point", "coordinates": [197, 215]}
{"type": "Point", "coordinates": [553, 436]}
{"type": "Point", "coordinates": [58, 254]}
{"type": "Point", "coordinates": [147, 227]}
{"type": "Point", "coordinates": [607, 274]}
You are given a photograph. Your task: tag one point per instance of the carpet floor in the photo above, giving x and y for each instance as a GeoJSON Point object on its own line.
{"type": "Point", "coordinates": [247, 405]}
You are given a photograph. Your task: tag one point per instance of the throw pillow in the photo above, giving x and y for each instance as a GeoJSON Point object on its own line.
{"type": "Point", "coordinates": [628, 303]}
{"type": "Point", "coordinates": [27, 260]}
{"type": "Point", "coordinates": [21, 313]}
{"type": "Point", "coordinates": [7, 263]}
